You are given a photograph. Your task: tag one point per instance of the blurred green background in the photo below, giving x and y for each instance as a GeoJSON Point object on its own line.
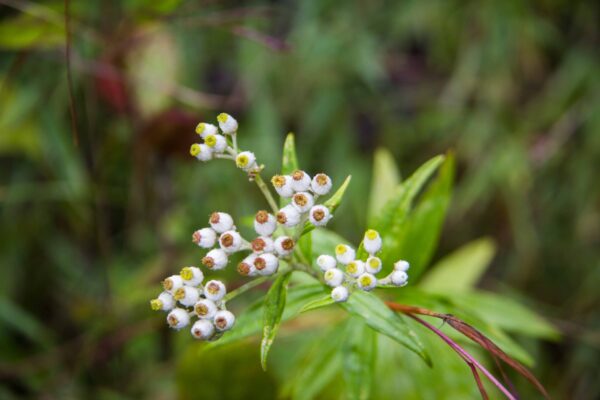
{"type": "Point", "coordinates": [98, 195]}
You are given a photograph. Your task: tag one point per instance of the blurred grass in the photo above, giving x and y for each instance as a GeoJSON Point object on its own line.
{"type": "Point", "coordinates": [87, 231]}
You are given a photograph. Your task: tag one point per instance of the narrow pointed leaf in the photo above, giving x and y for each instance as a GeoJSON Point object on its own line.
{"type": "Point", "coordinates": [359, 356]}
{"type": "Point", "coordinates": [317, 303]}
{"type": "Point", "coordinates": [272, 313]}
{"type": "Point", "coordinates": [385, 179]}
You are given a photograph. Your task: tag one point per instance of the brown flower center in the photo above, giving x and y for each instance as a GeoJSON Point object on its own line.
{"type": "Point", "coordinates": [212, 288]}
{"type": "Point", "coordinates": [173, 320]}
{"type": "Point", "coordinates": [214, 218]}
{"type": "Point", "coordinates": [221, 322]}
{"type": "Point", "coordinates": [300, 199]}
{"type": "Point", "coordinates": [258, 244]}
{"type": "Point", "coordinates": [287, 244]}
{"type": "Point", "coordinates": [168, 284]}
{"type": "Point", "coordinates": [201, 309]}
{"type": "Point", "coordinates": [208, 261]}
{"type": "Point", "coordinates": [260, 263]}
{"type": "Point", "coordinates": [243, 269]}
{"type": "Point", "coordinates": [262, 217]}
{"type": "Point", "coordinates": [227, 240]}
{"type": "Point", "coordinates": [281, 217]}
{"type": "Point", "coordinates": [278, 181]}
{"type": "Point", "coordinates": [196, 237]}
{"type": "Point", "coordinates": [298, 175]}
{"type": "Point", "coordinates": [318, 215]}
{"type": "Point", "coordinates": [321, 179]}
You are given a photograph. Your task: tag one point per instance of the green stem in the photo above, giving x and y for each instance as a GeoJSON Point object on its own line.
{"type": "Point", "coordinates": [245, 287]}
{"type": "Point", "coordinates": [267, 193]}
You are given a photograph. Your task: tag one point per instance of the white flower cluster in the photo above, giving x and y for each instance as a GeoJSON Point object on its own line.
{"type": "Point", "coordinates": [359, 273]}
{"type": "Point", "coordinates": [303, 192]}
{"type": "Point", "coordinates": [222, 145]}
{"type": "Point", "coordinates": [185, 296]}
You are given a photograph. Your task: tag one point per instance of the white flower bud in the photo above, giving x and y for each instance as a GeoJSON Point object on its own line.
{"type": "Point", "coordinates": [399, 278]}
{"type": "Point", "coordinates": [373, 265]}
{"type": "Point", "coordinates": [283, 185]}
{"type": "Point", "coordinates": [366, 281]}
{"type": "Point", "coordinates": [266, 264]}
{"type": "Point", "coordinates": [344, 253]}
{"type": "Point", "coordinates": [227, 123]}
{"type": "Point", "coordinates": [201, 151]}
{"type": "Point", "coordinates": [262, 244]}
{"type": "Point", "coordinates": [187, 295]}
{"type": "Point", "coordinates": [203, 129]}
{"type": "Point", "coordinates": [334, 277]}
{"type": "Point", "coordinates": [217, 143]}
{"type": "Point", "coordinates": [178, 318]}
{"type": "Point", "coordinates": [401, 265]}
{"type": "Point", "coordinates": [339, 294]}
{"type": "Point", "coordinates": [300, 181]}
{"type": "Point", "coordinates": [246, 160]}
{"type": "Point", "coordinates": [224, 320]}
{"type": "Point", "coordinates": [319, 215]}
{"type": "Point", "coordinates": [264, 223]}
{"type": "Point", "coordinates": [372, 241]}
{"type": "Point", "coordinates": [326, 262]}
{"type": "Point", "coordinates": [355, 268]}
{"type": "Point", "coordinates": [321, 184]}
{"type": "Point", "coordinates": [164, 302]}
{"type": "Point", "coordinates": [204, 238]}
{"type": "Point", "coordinates": [172, 283]}
{"type": "Point", "coordinates": [246, 267]}
{"type": "Point", "coordinates": [284, 245]}
{"type": "Point", "coordinates": [205, 309]}
{"type": "Point", "coordinates": [288, 216]}
{"type": "Point", "coordinates": [221, 222]}
{"type": "Point", "coordinates": [303, 201]}
{"type": "Point", "coordinates": [202, 329]}
{"type": "Point", "coordinates": [192, 276]}
{"type": "Point", "coordinates": [230, 241]}
{"type": "Point", "coordinates": [214, 290]}
{"type": "Point", "coordinates": [215, 259]}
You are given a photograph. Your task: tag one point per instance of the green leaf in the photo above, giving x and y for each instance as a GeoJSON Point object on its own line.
{"type": "Point", "coordinates": [359, 357]}
{"type": "Point", "coordinates": [379, 317]}
{"type": "Point", "coordinates": [460, 271]}
{"type": "Point", "coordinates": [317, 303]}
{"type": "Point", "coordinates": [385, 179]}
{"type": "Point", "coordinates": [414, 238]}
{"type": "Point", "coordinates": [272, 313]}
{"type": "Point", "coordinates": [250, 321]}
{"type": "Point", "coordinates": [332, 203]}
{"type": "Point", "coordinates": [305, 245]}
{"type": "Point", "coordinates": [289, 161]}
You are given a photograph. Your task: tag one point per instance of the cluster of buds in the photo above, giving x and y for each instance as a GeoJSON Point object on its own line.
{"type": "Point", "coordinates": [303, 193]}
{"type": "Point", "coordinates": [358, 273]}
{"type": "Point", "coordinates": [222, 145]}
{"type": "Point", "coordinates": [185, 297]}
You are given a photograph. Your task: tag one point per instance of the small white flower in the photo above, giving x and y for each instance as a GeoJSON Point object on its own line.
{"type": "Point", "coordinates": [202, 329]}
{"type": "Point", "coordinates": [264, 223]}
{"type": "Point", "coordinates": [288, 216]}
{"type": "Point", "coordinates": [164, 302]}
{"type": "Point", "coordinates": [339, 294]}
{"type": "Point", "coordinates": [205, 309]}
{"type": "Point", "coordinates": [192, 276]}
{"type": "Point", "coordinates": [373, 265]}
{"type": "Point", "coordinates": [227, 123]}
{"type": "Point", "coordinates": [300, 181]}
{"type": "Point", "coordinates": [187, 295]}
{"type": "Point", "coordinates": [262, 244]}
{"type": "Point", "coordinates": [399, 278]}
{"type": "Point", "coordinates": [284, 245]}
{"type": "Point", "coordinates": [221, 222]}
{"type": "Point", "coordinates": [215, 259]}
{"type": "Point", "coordinates": [201, 151]}
{"type": "Point", "coordinates": [172, 283]}
{"type": "Point", "coordinates": [224, 320]}
{"type": "Point", "coordinates": [266, 264]}
{"type": "Point", "coordinates": [326, 262]}
{"type": "Point", "coordinates": [401, 265]}
{"type": "Point", "coordinates": [246, 267]}
{"type": "Point", "coordinates": [217, 143]}
{"type": "Point", "coordinates": [246, 160]}
{"type": "Point", "coordinates": [355, 268]}
{"type": "Point", "coordinates": [372, 241]}
{"type": "Point", "coordinates": [344, 253]}
{"type": "Point", "coordinates": [204, 238]}
{"type": "Point", "coordinates": [230, 241]}
{"type": "Point", "coordinates": [178, 318]}
{"type": "Point", "coordinates": [333, 277]}
{"type": "Point", "coordinates": [303, 201]}
{"type": "Point", "coordinates": [283, 185]}
{"type": "Point", "coordinates": [319, 215]}
{"type": "Point", "coordinates": [366, 281]}
{"type": "Point", "coordinates": [321, 184]}
{"type": "Point", "coordinates": [214, 290]}
{"type": "Point", "coordinates": [203, 129]}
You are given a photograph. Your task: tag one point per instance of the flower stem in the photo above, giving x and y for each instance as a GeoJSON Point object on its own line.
{"type": "Point", "coordinates": [266, 192]}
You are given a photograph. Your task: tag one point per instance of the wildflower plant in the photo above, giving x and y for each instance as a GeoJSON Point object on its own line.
{"type": "Point", "coordinates": [311, 267]}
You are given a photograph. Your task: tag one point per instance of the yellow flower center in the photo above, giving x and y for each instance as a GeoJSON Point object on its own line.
{"type": "Point", "coordinates": [200, 128]}
{"type": "Point", "coordinates": [242, 160]}
{"type": "Point", "coordinates": [329, 274]}
{"type": "Point", "coordinates": [222, 118]}
{"type": "Point", "coordinates": [201, 309]}
{"type": "Point", "coordinates": [371, 234]}
{"type": "Point", "coordinates": [210, 140]}
{"type": "Point", "coordinates": [374, 262]}
{"type": "Point", "coordinates": [352, 268]}
{"type": "Point", "coordinates": [156, 304]}
{"type": "Point", "coordinates": [340, 249]}
{"type": "Point", "coordinates": [186, 273]}
{"type": "Point", "coordinates": [179, 294]}
{"type": "Point", "coordinates": [168, 284]}
{"type": "Point", "coordinates": [278, 181]}
{"type": "Point", "coordinates": [195, 149]}
{"type": "Point", "coordinates": [365, 280]}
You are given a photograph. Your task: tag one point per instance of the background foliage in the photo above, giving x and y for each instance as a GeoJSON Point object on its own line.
{"type": "Point", "coordinates": [92, 218]}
